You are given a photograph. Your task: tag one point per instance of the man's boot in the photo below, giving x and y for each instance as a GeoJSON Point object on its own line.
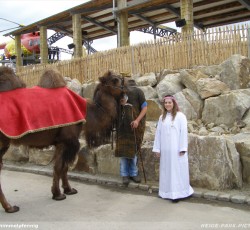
{"type": "Point", "coordinates": [125, 180]}
{"type": "Point", "coordinates": [136, 179]}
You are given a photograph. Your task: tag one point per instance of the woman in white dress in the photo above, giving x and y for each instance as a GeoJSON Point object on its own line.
{"type": "Point", "coordinates": [171, 145]}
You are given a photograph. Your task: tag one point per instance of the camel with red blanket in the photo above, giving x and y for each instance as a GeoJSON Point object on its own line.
{"type": "Point", "coordinates": [52, 114]}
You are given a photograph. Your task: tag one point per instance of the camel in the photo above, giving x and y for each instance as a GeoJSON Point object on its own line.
{"type": "Point", "coordinates": [95, 117]}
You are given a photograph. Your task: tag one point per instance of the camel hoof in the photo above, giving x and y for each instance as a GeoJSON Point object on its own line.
{"type": "Point", "coordinates": [70, 191]}
{"type": "Point", "coordinates": [12, 209]}
{"type": "Point", "coordinates": [59, 197]}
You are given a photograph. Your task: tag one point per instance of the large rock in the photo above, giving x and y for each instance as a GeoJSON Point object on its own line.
{"type": "Point", "coordinates": [227, 108]}
{"type": "Point", "coordinates": [150, 130]}
{"type": "Point", "coordinates": [242, 143]}
{"type": "Point", "coordinates": [17, 153]}
{"type": "Point", "coordinates": [190, 77]}
{"type": "Point", "coordinates": [88, 89]}
{"type": "Point", "coordinates": [154, 110]}
{"type": "Point", "coordinates": [41, 156]}
{"type": "Point", "coordinates": [185, 106]}
{"type": "Point", "coordinates": [195, 101]}
{"type": "Point", "coordinates": [150, 164]}
{"type": "Point", "coordinates": [210, 87]}
{"type": "Point", "coordinates": [246, 120]}
{"type": "Point", "coordinates": [165, 72]}
{"type": "Point", "coordinates": [214, 163]}
{"type": "Point", "coordinates": [211, 71]}
{"type": "Point", "coordinates": [74, 85]}
{"type": "Point", "coordinates": [106, 161]}
{"type": "Point", "coordinates": [169, 85]}
{"type": "Point", "coordinates": [149, 92]}
{"type": "Point", "coordinates": [236, 72]}
{"type": "Point", "coordinates": [86, 161]}
{"type": "Point", "coordinates": [147, 79]}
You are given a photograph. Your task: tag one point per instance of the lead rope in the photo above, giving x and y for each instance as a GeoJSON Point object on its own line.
{"type": "Point", "coordinates": [112, 134]}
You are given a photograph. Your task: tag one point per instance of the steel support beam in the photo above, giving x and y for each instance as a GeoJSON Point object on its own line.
{"type": "Point", "coordinates": [161, 32]}
{"type": "Point", "coordinates": [245, 3]}
{"type": "Point", "coordinates": [91, 20]}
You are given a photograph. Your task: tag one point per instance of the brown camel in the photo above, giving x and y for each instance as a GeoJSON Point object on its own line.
{"type": "Point", "coordinates": [101, 113]}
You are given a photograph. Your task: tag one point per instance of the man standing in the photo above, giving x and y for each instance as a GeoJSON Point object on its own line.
{"type": "Point", "coordinates": [130, 131]}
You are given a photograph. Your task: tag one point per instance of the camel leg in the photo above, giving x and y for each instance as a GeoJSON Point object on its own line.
{"type": "Point", "coordinates": [65, 183]}
{"type": "Point", "coordinates": [71, 149]}
{"type": "Point", "coordinates": [6, 205]}
{"type": "Point", "coordinates": [57, 195]}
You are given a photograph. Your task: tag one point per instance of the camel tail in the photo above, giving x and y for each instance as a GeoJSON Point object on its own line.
{"type": "Point", "coordinates": [71, 149]}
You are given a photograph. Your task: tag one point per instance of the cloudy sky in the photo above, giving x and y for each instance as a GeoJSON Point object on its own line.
{"type": "Point", "coordinates": [29, 11]}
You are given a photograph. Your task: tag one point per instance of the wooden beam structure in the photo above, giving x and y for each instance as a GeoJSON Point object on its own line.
{"type": "Point", "coordinates": [98, 18]}
{"type": "Point", "coordinates": [104, 18]}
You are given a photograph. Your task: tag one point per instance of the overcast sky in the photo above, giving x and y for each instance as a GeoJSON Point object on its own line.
{"type": "Point", "coordinates": [29, 11]}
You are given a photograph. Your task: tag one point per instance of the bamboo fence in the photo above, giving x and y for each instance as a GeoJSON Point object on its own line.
{"type": "Point", "coordinates": [174, 52]}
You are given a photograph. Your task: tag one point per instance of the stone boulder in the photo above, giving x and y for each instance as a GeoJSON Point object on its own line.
{"type": "Point", "coordinates": [151, 165]}
{"type": "Point", "coordinates": [41, 156]}
{"type": "Point", "coordinates": [190, 77]}
{"type": "Point", "coordinates": [210, 87]}
{"type": "Point", "coordinates": [185, 106]}
{"type": "Point", "coordinates": [214, 163]}
{"type": "Point", "coordinates": [165, 72]}
{"type": "Point", "coordinates": [86, 161]}
{"type": "Point", "coordinates": [170, 85]}
{"type": "Point", "coordinates": [227, 108]}
{"type": "Point", "coordinates": [74, 85]}
{"type": "Point", "coordinates": [149, 134]}
{"type": "Point", "coordinates": [211, 71]}
{"type": "Point", "coordinates": [195, 101]}
{"type": "Point", "coordinates": [147, 79]}
{"type": "Point", "coordinates": [236, 72]}
{"type": "Point", "coordinates": [149, 92]}
{"type": "Point", "coordinates": [154, 110]}
{"type": "Point", "coordinates": [106, 161]}
{"type": "Point", "coordinates": [246, 120]}
{"type": "Point", "coordinates": [17, 153]}
{"type": "Point", "coordinates": [242, 143]}
{"type": "Point", "coordinates": [88, 89]}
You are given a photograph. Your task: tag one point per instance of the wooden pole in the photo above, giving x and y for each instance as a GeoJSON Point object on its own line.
{"type": "Point", "coordinates": [43, 45]}
{"type": "Point", "coordinates": [122, 25]}
{"type": "Point", "coordinates": [18, 51]}
{"type": "Point", "coordinates": [77, 35]}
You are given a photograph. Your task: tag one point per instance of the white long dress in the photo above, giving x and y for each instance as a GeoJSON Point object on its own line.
{"type": "Point", "coordinates": [171, 138]}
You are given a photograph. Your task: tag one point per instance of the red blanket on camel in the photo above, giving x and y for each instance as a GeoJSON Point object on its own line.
{"type": "Point", "coordinates": [29, 110]}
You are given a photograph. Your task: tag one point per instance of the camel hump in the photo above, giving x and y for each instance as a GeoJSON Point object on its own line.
{"type": "Point", "coordinates": [51, 78]}
{"type": "Point", "coordinates": [9, 80]}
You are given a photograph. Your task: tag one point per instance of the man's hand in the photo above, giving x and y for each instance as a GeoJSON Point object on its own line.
{"type": "Point", "coordinates": [157, 155]}
{"type": "Point", "coordinates": [134, 124]}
